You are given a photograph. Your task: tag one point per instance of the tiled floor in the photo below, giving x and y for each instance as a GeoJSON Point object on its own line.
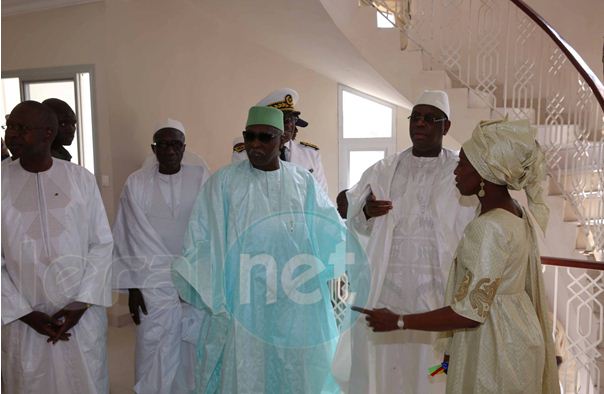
{"type": "Point", "coordinates": [120, 345]}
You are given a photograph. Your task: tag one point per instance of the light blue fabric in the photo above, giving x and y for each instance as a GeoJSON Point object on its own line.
{"type": "Point", "coordinates": [262, 338]}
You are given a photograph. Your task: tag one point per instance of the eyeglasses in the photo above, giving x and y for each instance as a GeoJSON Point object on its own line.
{"type": "Point", "coordinates": [249, 136]}
{"type": "Point", "coordinates": [20, 128]}
{"type": "Point", "coordinates": [428, 118]}
{"type": "Point", "coordinates": [163, 145]}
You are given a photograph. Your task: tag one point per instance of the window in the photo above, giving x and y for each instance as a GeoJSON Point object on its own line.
{"type": "Point", "coordinates": [385, 20]}
{"type": "Point", "coordinates": [70, 84]}
{"type": "Point", "coordinates": [367, 133]}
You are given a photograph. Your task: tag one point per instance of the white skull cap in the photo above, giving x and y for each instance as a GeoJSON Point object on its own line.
{"type": "Point", "coordinates": [435, 98]}
{"type": "Point", "coordinates": [169, 124]}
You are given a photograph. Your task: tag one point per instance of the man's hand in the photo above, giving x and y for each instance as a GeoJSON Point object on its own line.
{"type": "Point", "coordinates": [382, 319]}
{"type": "Point", "coordinates": [45, 325]}
{"type": "Point", "coordinates": [136, 301]}
{"type": "Point", "coordinates": [374, 208]}
{"type": "Point", "coordinates": [70, 315]}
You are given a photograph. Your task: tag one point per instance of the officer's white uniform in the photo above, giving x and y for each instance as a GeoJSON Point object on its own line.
{"type": "Point", "coordinates": [304, 154]}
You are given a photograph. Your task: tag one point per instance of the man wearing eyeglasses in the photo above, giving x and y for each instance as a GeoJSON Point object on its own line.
{"type": "Point", "coordinates": [67, 128]}
{"type": "Point", "coordinates": [251, 227]}
{"type": "Point", "coordinates": [408, 206]}
{"type": "Point", "coordinates": [304, 154]}
{"type": "Point", "coordinates": [56, 265]}
{"type": "Point", "coordinates": [149, 229]}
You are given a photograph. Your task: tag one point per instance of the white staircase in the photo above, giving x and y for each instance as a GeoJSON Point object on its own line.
{"type": "Point", "coordinates": [522, 73]}
{"type": "Point", "coordinates": [411, 71]}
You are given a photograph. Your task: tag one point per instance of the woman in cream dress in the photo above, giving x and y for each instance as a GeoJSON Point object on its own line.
{"type": "Point", "coordinates": [495, 327]}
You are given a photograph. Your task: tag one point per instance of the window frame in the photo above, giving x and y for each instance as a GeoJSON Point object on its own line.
{"type": "Point", "coordinates": [346, 145]}
{"type": "Point", "coordinates": [64, 74]}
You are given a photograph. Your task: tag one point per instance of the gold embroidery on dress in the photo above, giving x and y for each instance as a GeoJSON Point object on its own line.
{"type": "Point", "coordinates": [483, 294]}
{"type": "Point", "coordinates": [462, 290]}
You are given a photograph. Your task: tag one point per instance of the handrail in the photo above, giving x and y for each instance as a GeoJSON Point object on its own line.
{"type": "Point", "coordinates": [572, 263]}
{"type": "Point", "coordinates": [588, 75]}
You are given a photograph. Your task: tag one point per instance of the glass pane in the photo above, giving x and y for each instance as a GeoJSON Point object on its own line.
{"type": "Point", "coordinates": [363, 118]}
{"type": "Point", "coordinates": [63, 90]}
{"type": "Point", "coordinates": [85, 121]}
{"type": "Point", "coordinates": [360, 161]}
{"type": "Point", "coordinates": [385, 22]}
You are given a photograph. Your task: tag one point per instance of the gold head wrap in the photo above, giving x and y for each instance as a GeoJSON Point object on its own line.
{"type": "Point", "coordinates": [506, 153]}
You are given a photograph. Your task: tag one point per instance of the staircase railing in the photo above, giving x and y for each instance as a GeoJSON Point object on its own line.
{"type": "Point", "coordinates": [521, 68]}
{"type": "Point", "coordinates": [575, 289]}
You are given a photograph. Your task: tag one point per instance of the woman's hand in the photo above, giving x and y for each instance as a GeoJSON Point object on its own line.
{"type": "Point", "coordinates": [382, 320]}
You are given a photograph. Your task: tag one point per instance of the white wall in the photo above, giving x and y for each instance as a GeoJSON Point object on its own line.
{"type": "Point", "coordinates": [155, 59]}
{"type": "Point", "coordinates": [69, 36]}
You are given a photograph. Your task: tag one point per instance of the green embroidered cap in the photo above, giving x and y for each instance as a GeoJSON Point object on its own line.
{"type": "Point", "coordinates": [265, 116]}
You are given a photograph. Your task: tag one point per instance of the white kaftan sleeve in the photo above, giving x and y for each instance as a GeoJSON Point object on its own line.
{"type": "Point", "coordinates": [14, 305]}
{"type": "Point", "coordinates": [95, 287]}
{"type": "Point", "coordinates": [356, 197]}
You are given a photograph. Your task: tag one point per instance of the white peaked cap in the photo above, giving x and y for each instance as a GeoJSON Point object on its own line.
{"type": "Point", "coordinates": [169, 124]}
{"type": "Point", "coordinates": [435, 98]}
{"type": "Point", "coordinates": [279, 99]}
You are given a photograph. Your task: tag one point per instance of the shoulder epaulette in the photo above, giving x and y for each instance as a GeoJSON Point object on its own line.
{"type": "Point", "coordinates": [308, 144]}
{"type": "Point", "coordinates": [240, 147]}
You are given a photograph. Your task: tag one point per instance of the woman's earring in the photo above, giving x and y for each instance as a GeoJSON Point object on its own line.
{"type": "Point", "coordinates": [481, 192]}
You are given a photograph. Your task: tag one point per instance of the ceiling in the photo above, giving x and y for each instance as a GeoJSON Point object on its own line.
{"type": "Point", "coordinates": [303, 31]}
{"type": "Point", "coordinates": [13, 7]}
{"type": "Point", "coordinates": [300, 30]}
